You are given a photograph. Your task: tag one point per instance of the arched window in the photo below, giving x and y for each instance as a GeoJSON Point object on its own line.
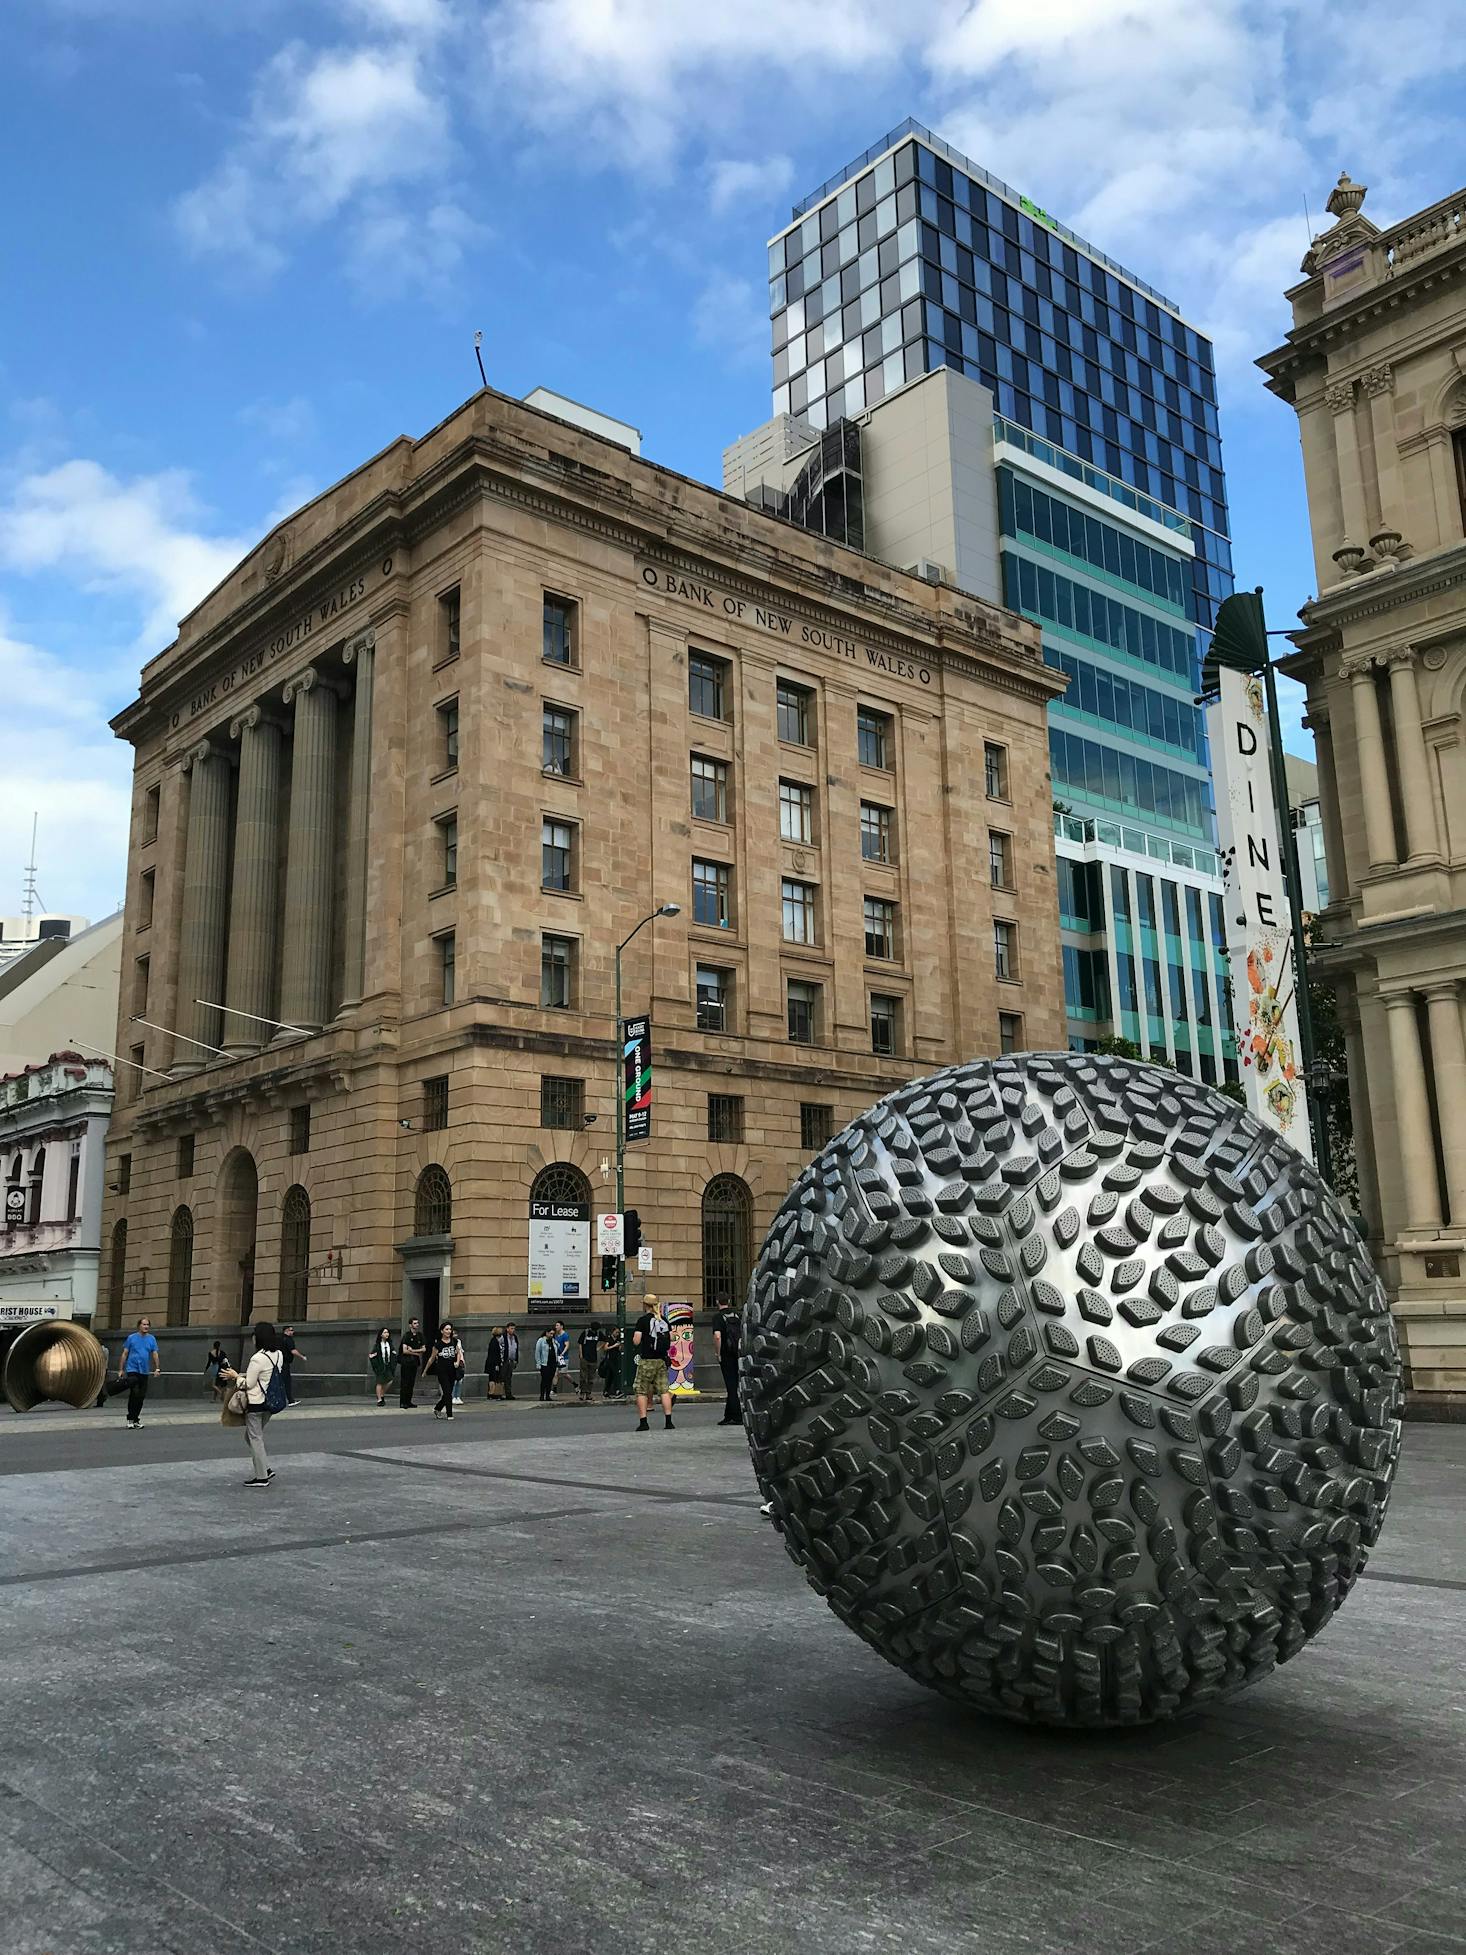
{"type": "Point", "coordinates": [180, 1265]}
{"type": "Point", "coordinates": [38, 1174]}
{"type": "Point", "coordinates": [117, 1276]}
{"type": "Point", "coordinates": [560, 1182]}
{"type": "Point", "coordinates": [727, 1241]}
{"type": "Point", "coordinates": [432, 1212]}
{"type": "Point", "coordinates": [295, 1255]}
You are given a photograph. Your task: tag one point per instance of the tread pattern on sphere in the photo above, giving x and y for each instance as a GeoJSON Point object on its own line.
{"type": "Point", "coordinates": [1073, 1388]}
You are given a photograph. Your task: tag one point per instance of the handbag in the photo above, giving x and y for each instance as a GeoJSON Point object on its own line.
{"type": "Point", "coordinates": [237, 1403]}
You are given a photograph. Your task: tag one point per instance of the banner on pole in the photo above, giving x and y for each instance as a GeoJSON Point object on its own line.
{"type": "Point", "coordinates": [1259, 932]}
{"type": "Point", "coordinates": [636, 1055]}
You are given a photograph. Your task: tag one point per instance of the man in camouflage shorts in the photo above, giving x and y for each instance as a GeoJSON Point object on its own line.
{"type": "Point", "coordinates": [652, 1343]}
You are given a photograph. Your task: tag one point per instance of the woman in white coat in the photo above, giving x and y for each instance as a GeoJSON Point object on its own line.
{"type": "Point", "coordinates": [260, 1374]}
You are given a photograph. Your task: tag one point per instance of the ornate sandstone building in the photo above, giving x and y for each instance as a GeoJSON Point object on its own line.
{"type": "Point", "coordinates": [1376, 368]}
{"type": "Point", "coordinates": [410, 775]}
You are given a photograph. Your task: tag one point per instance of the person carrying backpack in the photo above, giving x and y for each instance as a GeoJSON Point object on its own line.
{"type": "Point", "coordinates": [262, 1392]}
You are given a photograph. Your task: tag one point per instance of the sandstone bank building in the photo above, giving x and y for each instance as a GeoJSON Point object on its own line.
{"type": "Point", "coordinates": [410, 774]}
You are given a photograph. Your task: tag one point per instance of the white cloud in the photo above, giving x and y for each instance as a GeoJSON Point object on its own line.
{"type": "Point", "coordinates": [63, 767]}
{"type": "Point", "coordinates": [424, 18]}
{"type": "Point", "coordinates": [394, 247]}
{"type": "Point", "coordinates": [731, 317]}
{"type": "Point", "coordinates": [734, 180]}
{"type": "Point", "coordinates": [136, 537]}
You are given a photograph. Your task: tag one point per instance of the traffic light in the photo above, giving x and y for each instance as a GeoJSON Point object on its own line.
{"type": "Point", "coordinates": [633, 1232]}
{"type": "Point", "coordinates": [608, 1272]}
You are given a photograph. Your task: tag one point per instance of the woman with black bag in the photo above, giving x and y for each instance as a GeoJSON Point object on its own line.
{"type": "Point", "coordinates": [446, 1365]}
{"type": "Point", "coordinates": [256, 1395]}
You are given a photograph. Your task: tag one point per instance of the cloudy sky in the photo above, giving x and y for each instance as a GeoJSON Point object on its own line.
{"type": "Point", "coordinates": [249, 241]}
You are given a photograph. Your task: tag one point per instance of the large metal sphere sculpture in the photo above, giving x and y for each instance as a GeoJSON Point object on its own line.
{"type": "Point", "coordinates": [1072, 1387]}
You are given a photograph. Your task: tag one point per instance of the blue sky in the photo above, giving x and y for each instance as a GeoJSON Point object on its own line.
{"type": "Point", "coordinates": [248, 243]}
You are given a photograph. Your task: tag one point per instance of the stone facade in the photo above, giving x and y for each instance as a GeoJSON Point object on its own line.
{"type": "Point", "coordinates": [339, 864]}
{"type": "Point", "coordinates": [1375, 367]}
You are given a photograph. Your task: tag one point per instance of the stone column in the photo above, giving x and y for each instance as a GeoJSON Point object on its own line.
{"type": "Point", "coordinates": [1374, 782]}
{"type": "Point", "coordinates": [305, 974]}
{"type": "Point", "coordinates": [1411, 759]}
{"type": "Point", "coordinates": [1328, 794]}
{"type": "Point", "coordinates": [1448, 1055]}
{"type": "Point", "coordinates": [1383, 488]}
{"type": "Point", "coordinates": [255, 899]}
{"type": "Point", "coordinates": [1359, 1114]}
{"type": "Point", "coordinates": [360, 654]}
{"type": "Point", "coordinates": [204, 925]}
{"type": "Point", "coordinates": [1340, 398]}
{"type": "Point", "coordinates": [1412, 1113]}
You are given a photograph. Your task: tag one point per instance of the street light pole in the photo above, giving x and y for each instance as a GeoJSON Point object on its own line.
{"type": "Point", "coordinates": [662, 909]}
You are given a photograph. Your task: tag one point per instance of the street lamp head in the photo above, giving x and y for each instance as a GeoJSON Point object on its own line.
{"type": "Point", "coordinates": [670, 909]}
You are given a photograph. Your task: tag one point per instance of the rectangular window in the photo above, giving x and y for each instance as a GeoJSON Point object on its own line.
{"type": "Point", "coordinates": [139, 1071]}
{"type": "Point", "coordinates": [709, 788]}
{"type": "Point", "coordinates": [73, 1184]}
{"type": "Point", "coordinates": [447, 736]}
{"type": "Point", "coordinates": [880, 927]}
{"type": "Point", "coordinates": [449, 611]}
{"type": "Point", "coordinates": [557, 854]}
{"type": "Point", "coordinates": [124, 1174]}
{"type": "Point", "coordinates": [794, 712]}
{"type": "Point", "coordinates": [140, 985]}
{"type": "Point", "coordinates": [804, 1012]}
{"type": "Point", "coordinates": [185, 1157]}
{"type": "Point", "coordinates": [711, 886]}
{"type": "Point", "coordinates": [816, 1125]}
{"type": "Point", "coordinates": [1010, 1031]}
{"type": "Point", "coordinates": [562, 1103]}
{"type": "Point", "coordinates": [1005, 950]}
{"type": "Point", "coordinates": [145, 890]}
{"type": "Point", "coordinates": [800, 922]}
{"type": "Point", "coordinates": [447, 966]}
{"type": "Point", "coordinates": [796, 811]}
{"type": "Point", "coordinates": [707, 685]}
{"type": "Point", "coordinates": [875, 832]}
{"type": "Point", "coordinates": [995, 770]}
{"type": "Point", "coordinates": [557, 973]}
{"type": "Point", "coordinates": [885, 1024]}
{"type": "Point", "coordinates": [559, 630]}
{"type": "Point", "coordinates": [435, 1104]}
{"type": "Point", "coordinates": [151, 801]}
{"type": "Point", "coordinates": [300, 1130]}
{"type": "Point", "coordinates": [558, 741]}
{"type": "Point", "coordinates": [1458, 444]}
{"type": "Point", "coordinates": [1000, 859]}
{"type": "Point", "coordinates": [873, 738]}
{"type": "Point", "coordinates": [725, 1116]}
{"type": "Point", "coordinates": [447, 826]}
{"type": "Point", "coordinates": [714, 990]}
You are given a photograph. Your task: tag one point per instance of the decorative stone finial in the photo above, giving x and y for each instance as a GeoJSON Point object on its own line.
{"type": "Point", "coordinates": [1346, 196]}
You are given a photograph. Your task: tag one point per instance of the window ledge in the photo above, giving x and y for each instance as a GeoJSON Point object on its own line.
{"type": "Point", "coordinates": [1006, 980]}
{"type": "Point", "coordinates": [569, 780]}
{"type": "Point", "coordinates": [443, 889]}
{"type": "Point", "coordinates": [442, 663]}
{"type": "Point", "coordinates": [446, 774]}
{"type": "Point", "coordinates": [708, 719]}
{"type": "Point", "coordinates": [558, 664]}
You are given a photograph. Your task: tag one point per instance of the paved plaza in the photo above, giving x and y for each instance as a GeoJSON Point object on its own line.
{"type": "Point", "coordinates": [537, 1683]}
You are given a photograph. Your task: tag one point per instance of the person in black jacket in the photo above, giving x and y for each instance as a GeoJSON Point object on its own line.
{"type": "Point", "coordinates": [409, 1361]}
{"type": "Point", "coordinates": [447, 1368]}
{"type": "Point", "coordinates": [494, 1362]}
{"type": "Point", "coordinates": [727, 1332]}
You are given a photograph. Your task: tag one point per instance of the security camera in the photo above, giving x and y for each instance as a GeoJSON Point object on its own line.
{"type": "Point", "coordinates": [590, 1120]}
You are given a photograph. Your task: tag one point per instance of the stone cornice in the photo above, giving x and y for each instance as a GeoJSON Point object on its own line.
{"type": "Point", "coordinates": [1379, 592]}
{"type": "Point", "coordinates": [1313, 341]}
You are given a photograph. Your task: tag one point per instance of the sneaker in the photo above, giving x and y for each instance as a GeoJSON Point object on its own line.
{"type": "Point", "coordinates": [767, 1508]}
{"type": "Point", "coordinates": [134, 1425]}
{"type": "Point", "coordinates": [643, 1427]}
{"type": "Point", "coordinates": [256, 1483]}
{"type": "Point", "coordinates": [269, 1476]}
{"type": "Point", "coordinates": [730, 1422]}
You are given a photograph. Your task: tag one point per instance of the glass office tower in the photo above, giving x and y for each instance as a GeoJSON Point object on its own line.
{"type": "Point", "coordinates": [1111, 531]}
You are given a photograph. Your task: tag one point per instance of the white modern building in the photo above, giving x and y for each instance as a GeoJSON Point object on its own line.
{"type": "Point", "coordinates": [62, 991]}
{"type": "Point", "coordinates": [53, 1135]}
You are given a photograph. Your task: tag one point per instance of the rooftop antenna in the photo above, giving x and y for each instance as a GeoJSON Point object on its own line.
{"type": "Point", "coordinates": [1308, 220]}
{"type": "Point", "coordinates": [29, 894]}
{"type": "Point", "coordinates": [478, 354]}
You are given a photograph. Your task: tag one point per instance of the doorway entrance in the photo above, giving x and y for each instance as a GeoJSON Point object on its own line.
{"type": "Point", "coordinates": [427, 1305]}
{"type": "Point", "coordinates": [239, 1193]}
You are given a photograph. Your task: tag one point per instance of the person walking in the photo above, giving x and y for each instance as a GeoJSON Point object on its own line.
{"type": "Point", "coordinates": [494, 1362]}
{"type": "Point", "coordinates": [727, 1333]}
{"type": "Point", "coordinates": [511, 1358]}
{"type": "Point", "coordinates": [611, 1363]}
{"type": "Point", "coordinates": [590, 1358]}
{"type": "Point", "coordinates": [652, 1343]}
{"type": "Point", "coordinates": [547, 1363]}
{"type": "Point", "coordinates": [413, 1350]}
{"type": "Point", "coordinates": [214, 1363]}
{"type": "Point", "coordinates": [447, 1368]}
{"type": "Point", "coordinates": [138, 1368]}
{"type": "Point", "coordinates": [562, 1354]}
{"type": "Point", "coordinates": [263, 1385]}
{"type": "Point", "coordinates": [290, 1354]}
{"type": "Point", "coordinates": [383, 1362]}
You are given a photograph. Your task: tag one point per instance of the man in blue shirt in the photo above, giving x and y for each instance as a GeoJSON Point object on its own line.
{"type": "Point", "coordinates": [139, 1364]}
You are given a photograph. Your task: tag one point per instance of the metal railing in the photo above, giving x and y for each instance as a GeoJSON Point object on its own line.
{"type": "Point", "coordinates": [1093, 478]}
{"type": "Point", "coordinates": [1135, 841]}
